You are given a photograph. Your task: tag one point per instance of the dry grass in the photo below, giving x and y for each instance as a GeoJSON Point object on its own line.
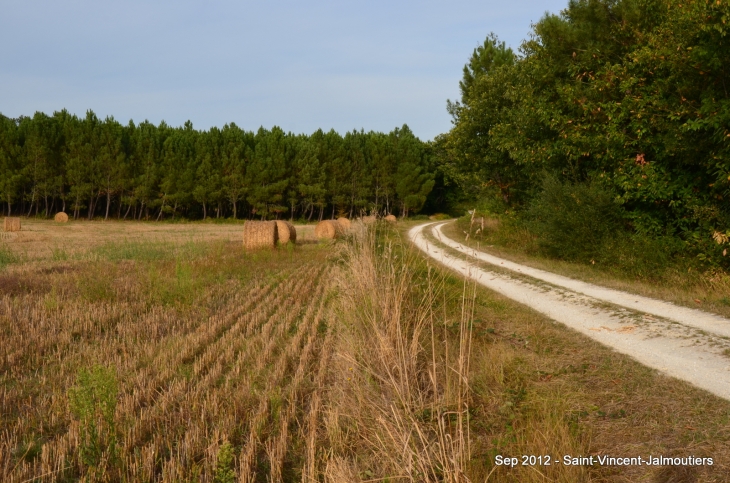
{"type": "Point", "coordinates": [199, 340]}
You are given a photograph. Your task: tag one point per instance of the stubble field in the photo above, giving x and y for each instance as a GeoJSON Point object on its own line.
{"type": "Point", "coordinates": [163, 352]}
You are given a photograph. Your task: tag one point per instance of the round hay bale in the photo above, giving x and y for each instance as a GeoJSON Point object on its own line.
{"type": "Point", "coordinates": [287, 232]}
{"type": "Point", "coordinates": [344, 223]}
{"type": "Point", "coordinates": [368, 220]}
{"type": "Point", "coordinates": [11, 223]}
{"type": "Point", "coordinates": [61, 217]}
{"type": "Point", "coordinates": [390, 219]}
{"type": "Point", "coordinates": [259, 234]}
{"type": "Point", "coordinates": [328, 230]}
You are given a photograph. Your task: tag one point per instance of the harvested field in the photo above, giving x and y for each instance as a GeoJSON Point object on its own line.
{"type": "Point", "coordinates": [165, 352]}
{"type": "Point", "coordinates": [207, 347]}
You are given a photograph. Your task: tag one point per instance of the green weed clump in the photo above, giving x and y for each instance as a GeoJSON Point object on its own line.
{"type": "Point", "coordinates": [6, 257]}
{"type": "Point", "coordinates": [224, 465]}
{"type": "Point", "coordinates": [93, 402]}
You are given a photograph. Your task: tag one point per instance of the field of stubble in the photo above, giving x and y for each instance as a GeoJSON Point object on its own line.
{"type": "Point", "coordinates": [163, 352]}
{"type": "Point", "coordinates": [202, 345]}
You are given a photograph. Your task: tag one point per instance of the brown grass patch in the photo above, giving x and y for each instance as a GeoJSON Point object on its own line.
{"type": "Point", "coordinates": [13, 285]}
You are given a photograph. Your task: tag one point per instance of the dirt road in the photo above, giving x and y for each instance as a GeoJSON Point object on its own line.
{"type": "Point", "coordinates": [685, 343]}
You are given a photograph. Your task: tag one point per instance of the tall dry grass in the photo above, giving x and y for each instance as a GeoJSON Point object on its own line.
{"type": "Point", "coordinates": [398, 402]}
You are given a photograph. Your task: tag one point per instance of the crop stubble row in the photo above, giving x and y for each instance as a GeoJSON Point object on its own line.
{"type": "Point", "coordinates": [177, 421]}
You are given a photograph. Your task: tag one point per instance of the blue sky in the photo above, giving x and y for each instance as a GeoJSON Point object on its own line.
{"type": "Point", "coordinates": [300, 65]}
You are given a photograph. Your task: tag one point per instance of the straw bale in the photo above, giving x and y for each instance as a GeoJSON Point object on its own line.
{"type": "Point", "coordinates": [11, 223]}
{"type": "Point", "coordinates": [328, 230]}
{"type": "Point", "coordinates": [60, 217]}
{"type": "Point", "coordinates": [344, 223]}
{"type": "Point", "coordinates": [369, 219]}
{"type": "Point", "coordinates": [390, 219]}
{"type": "Point", "coordinates": [287, 232]}
{"type": "Point", "coordinates": [259, 234]}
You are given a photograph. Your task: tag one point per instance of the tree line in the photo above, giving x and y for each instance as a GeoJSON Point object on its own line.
{"type": "Point", "coordinates": [627, 97]}
{"type": "Point", "coordinates": [90, 168]}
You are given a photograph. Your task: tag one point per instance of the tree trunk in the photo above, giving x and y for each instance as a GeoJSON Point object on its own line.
{"type": "Point", "coordinates": [128, 208]}
{"type": "Point", "coordinates": [32, 199]}
{"type": "Point", "coordinates": [108, 203]}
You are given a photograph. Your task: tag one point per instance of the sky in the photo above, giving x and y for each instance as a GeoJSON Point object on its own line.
{"type": "Point", "coordinates": [300, 65]}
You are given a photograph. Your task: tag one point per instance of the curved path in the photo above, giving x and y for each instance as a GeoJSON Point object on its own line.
{"type": "Point", "coordinates": [689, 344]}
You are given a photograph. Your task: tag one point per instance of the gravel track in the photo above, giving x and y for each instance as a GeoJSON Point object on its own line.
{"type": "Point", "coordinates": [677, 341]}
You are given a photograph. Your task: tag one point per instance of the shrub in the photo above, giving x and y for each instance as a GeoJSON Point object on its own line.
{"type": "Point", "coordinates": [575, 221]}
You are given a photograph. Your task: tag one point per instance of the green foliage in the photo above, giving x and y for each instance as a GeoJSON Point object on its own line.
{"type": "Point", "coordinates": [93, 402]}
{"type": "Point", "coordinates": [92, 167]}
{"type": "Point", "coordinates": [574, 222]}
{"type": "Point", "coordinates": [224, 465]}
{"type": "Point", "coordinates": [626, 94]}
{"type": "Point", "coordinates": [490, 55]}
{"type": "Point", "coordinates": [6, 256]}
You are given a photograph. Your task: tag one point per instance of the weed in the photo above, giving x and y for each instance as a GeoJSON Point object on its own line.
{"type": "Point", "coordinates": [93, 402]}
{"type": "Point", "coordinates": [59, 255]}
{"type": "Point", "coordinates": [224, 465]}
{"type": "Point", "coordinates": [7, 257]}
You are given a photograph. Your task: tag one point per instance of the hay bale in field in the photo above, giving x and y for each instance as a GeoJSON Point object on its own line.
{"type": "Point", "coordinates": [390, 219]}
{"type": "Point", "coordinates": [344, 223]}
{"type": "Point", "coordinates": [60, 217]}
{"type": "Point", "coordinates": [328, 230]}
{"type": "Point", "coordinates": [368, 220]}
{"type": "Point", "coordinates": [260, 234]}
{"type": "Point", "coordinates": [286, 231]}
{"type": "Point", "coordinates": [11, 223]}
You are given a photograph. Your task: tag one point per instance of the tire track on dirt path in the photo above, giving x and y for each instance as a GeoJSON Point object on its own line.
{"type": "Point", "coordinates": [684, 315]}
{"type": "Point", "coordinates": [673, 347]}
